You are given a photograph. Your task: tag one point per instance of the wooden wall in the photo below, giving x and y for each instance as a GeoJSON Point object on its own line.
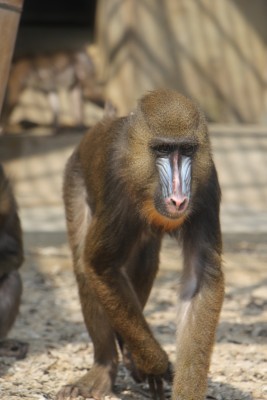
{"type": "Point", "coordinates": [212, 50]}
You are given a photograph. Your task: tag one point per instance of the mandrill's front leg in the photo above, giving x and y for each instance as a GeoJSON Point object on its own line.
{"type": "Point", "coordinates": [201, 298]}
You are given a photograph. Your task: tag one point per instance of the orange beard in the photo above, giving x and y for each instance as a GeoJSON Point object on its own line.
{"type": "Point", "coordinates": [158, 220]}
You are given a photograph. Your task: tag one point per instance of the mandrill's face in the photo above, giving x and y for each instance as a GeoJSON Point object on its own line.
{"type": "Point", "coordinates": [173, 161]}
{"type": "Point", "coordinates": [170, 203]}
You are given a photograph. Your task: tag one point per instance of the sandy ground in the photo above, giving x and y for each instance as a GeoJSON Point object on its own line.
{"type": "Point", "coordinates": [50, 319]}
{"type": "Point", "coordinates": [59, 349]}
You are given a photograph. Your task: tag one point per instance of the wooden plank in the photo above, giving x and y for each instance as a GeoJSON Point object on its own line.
{"type": "Point", "coordinates": [212, 51]}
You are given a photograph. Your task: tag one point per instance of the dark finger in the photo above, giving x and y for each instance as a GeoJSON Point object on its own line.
{"type": "Point", "coordinates": [152, 387]}
{"type": "Point", "coordinates": [159, 388]}
{"type": "Point", "coordinates": [168, 376]}
{"type": "Point", "coordinates": [156, 387]}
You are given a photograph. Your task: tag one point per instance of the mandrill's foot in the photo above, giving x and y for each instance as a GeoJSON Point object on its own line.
{"type": "Point", "coordinates": [97, 384]}
{"type": "Point", "coordinates": [13, 348]}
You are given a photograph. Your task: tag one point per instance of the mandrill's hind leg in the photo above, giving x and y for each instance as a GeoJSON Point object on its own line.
{"type": "Point", "coordinates": [99, 381]}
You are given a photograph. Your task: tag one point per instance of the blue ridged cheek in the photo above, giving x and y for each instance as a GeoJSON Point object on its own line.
{"type": "Point", "coordinates": [165, 175]}
{"type": "Point", "coordinates": [185, 171]}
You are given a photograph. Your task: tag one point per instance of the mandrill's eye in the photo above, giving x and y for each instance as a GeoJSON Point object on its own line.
{"type": "Point", "coordinates": [163, 150]}
{"type": "Point", "coordinates": [188, 149]}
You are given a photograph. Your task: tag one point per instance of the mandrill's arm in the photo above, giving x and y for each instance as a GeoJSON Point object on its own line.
{"type": "Point", "coordinates": [201, 296]}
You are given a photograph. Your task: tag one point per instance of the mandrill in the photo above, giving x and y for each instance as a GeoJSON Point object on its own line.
{"type": "Point", "coordinates": [129, 181]}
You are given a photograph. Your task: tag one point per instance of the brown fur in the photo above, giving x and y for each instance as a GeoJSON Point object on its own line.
{"type": "Point", "coordinates": [11, 246]}
{"type": "Point", "coordinates": [11, 258]}
{"type": "Point", "coordinates": [115, 234]}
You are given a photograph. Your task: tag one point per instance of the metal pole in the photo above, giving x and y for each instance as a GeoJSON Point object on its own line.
{"type": "Point", "coordinates": [10, 11]}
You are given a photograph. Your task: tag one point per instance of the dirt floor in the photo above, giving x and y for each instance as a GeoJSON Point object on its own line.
{"type": "Point", "coordinates": [50, 321]}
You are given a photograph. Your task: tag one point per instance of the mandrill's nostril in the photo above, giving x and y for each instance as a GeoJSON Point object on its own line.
{"type": "Point", "coordinates": [179, 203]}
{"type": "Point", "coordinates": [182, 205]}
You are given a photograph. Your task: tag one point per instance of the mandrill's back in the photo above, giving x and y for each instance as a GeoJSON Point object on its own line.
{"type": "Point", "coordinates": [96, 156]}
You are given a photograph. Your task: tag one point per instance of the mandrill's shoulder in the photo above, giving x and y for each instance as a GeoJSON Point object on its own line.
{"type": "Point", "coordinates": [100, 148]}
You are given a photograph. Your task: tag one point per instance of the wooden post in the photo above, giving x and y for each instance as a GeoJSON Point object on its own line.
{"type": "Point", "coordinates": [10, 11]}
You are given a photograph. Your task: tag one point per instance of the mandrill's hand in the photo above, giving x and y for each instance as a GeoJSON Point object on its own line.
{"type": "Point", "coordinates": [155, 382]}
